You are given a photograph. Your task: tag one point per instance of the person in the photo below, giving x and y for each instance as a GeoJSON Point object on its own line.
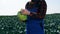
{"type": "Point", "coordinates": [35, 11]}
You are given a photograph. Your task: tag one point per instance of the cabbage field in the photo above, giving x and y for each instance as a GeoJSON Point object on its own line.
{"type": "Point", "coordinates": [12, 24]}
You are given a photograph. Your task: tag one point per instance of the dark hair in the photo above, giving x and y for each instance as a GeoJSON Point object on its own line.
{"type": "Point", "coordinates": [41, 7]}
{"type": "Point", "coordinates": [36, 0]}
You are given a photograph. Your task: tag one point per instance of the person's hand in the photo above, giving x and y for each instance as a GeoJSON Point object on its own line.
{"type": "Point", "coordinates": [25, 12]}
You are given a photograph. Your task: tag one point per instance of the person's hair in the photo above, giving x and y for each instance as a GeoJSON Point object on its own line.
{"type": "Point", "coordinates": [41, 7]}
{"type": "Point", "coordinates": [37, 0]}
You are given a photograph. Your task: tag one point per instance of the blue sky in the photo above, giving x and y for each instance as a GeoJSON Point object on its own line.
{"type": "Point", "coordinates": [11, 7]}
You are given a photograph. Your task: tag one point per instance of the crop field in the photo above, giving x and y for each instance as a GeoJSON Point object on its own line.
{"type": "Point", "coordinates": [12, 24]}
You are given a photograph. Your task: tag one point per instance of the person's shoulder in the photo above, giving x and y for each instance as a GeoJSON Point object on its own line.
{"type": "Point", "coordinates": [28, 2]}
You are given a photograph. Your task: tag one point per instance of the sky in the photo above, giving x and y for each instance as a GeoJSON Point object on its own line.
{"type": "Point", "coordinates": [11, 7]}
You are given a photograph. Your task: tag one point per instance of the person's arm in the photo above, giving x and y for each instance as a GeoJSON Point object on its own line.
{"type": "Point", "coordinates": [32, 14]}
{"type": "Point", "coordinates": [35, 15]}
{"type": "Point", "coordinates": [41, 11]}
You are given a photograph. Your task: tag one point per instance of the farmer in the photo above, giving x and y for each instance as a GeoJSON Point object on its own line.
{"type": "Point", "coordinates": [35, 11]}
